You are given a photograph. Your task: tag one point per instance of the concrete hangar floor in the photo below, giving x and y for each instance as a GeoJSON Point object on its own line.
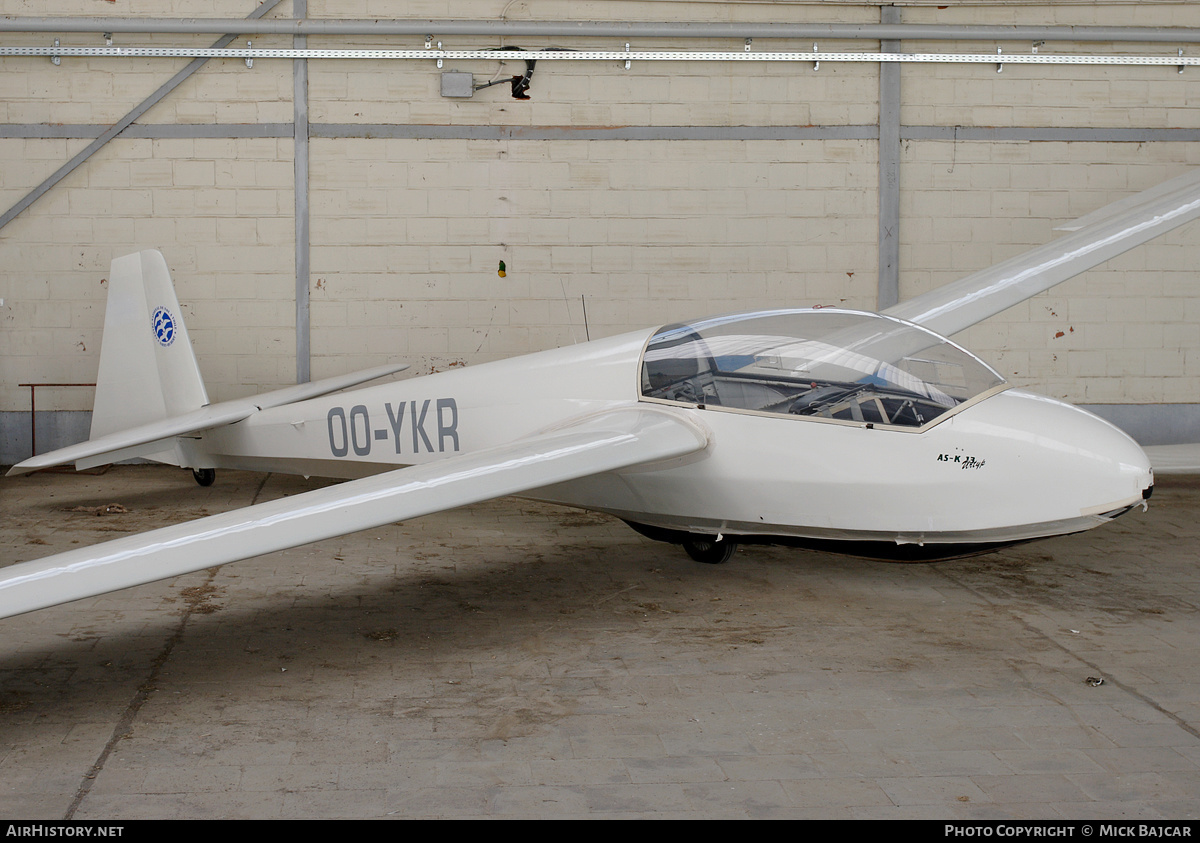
{"type": "Point", "coordinates": [520, 660]}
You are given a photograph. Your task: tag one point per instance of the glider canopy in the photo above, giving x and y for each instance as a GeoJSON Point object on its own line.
{"type": "Point", "coordinates": [818, 363]}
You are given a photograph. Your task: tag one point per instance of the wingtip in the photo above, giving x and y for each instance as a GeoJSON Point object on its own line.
{"type": "Point", "coordinates": [22, 468]}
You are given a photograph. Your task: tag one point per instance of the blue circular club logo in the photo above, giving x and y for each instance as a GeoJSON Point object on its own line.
{"type": "Point", "coordinates": [164, 327]}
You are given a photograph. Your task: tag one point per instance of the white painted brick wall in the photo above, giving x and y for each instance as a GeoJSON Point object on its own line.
{"type": "Point", "coordinates": [407, 234]}
{"type": "Point", "coordinates": [1101, 337]}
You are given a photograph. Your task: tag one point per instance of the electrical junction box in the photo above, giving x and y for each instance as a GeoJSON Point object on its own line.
{"type": "Point", "coordinates": [457, 83]}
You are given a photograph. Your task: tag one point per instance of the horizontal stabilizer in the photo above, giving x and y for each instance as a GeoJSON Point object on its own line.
{"type": "Point", "coordinates": [153, 434]}
{"type": "Point", "coordinates": [594, 444]}
{"type": "Point", "coordinates": [315, 389]}
{"type": "Point", "coordinates": [1097, 237]}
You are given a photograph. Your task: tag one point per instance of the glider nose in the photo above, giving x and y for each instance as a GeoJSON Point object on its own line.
{"type": "Point", "coordinates": [1121, 468]}
{"type": "Point", "coordinates": [1114, 467]}
{"type": "Point", "coordinates": [1083, 462]}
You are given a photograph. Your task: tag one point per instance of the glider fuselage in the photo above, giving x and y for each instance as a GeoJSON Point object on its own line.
{"type": "Point", "coordinates": [1005, 466]}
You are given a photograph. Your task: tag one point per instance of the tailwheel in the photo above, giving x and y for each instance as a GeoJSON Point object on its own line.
{"type": "Point", "coordinates": [204, 476]}
{"type": "Point", "coordinates": [709, 549]}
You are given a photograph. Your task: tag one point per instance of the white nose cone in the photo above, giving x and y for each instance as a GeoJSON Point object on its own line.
{"type": "Point", "coordinates": [1059, 465]}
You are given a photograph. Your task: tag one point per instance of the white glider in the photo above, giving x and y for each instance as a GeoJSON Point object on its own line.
{"type": "Point", "coordinates": [867, 433]}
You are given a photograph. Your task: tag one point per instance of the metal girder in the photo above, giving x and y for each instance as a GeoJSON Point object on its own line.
{"type": "Point", "coordinates": [888, 287]}
{"type": "Point", "coordinates": [300, 164]}
{"type": "Point", "coordinates": [439, 55]}
{"type": "Point", "coordinates": [604, 29]}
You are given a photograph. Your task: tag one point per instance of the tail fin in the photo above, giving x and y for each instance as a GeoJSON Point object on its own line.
{"type": "Point", "coordinates": [148, 370]}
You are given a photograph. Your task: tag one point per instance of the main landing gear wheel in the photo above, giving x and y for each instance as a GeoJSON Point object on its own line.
{"type": "Point", "coordinates": [709, 549]}
{"type": "Point", "coordinates": [204, 476]}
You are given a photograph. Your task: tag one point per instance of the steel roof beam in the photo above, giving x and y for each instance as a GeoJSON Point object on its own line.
{"type": "Point", "coordinates": [600, 29]}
